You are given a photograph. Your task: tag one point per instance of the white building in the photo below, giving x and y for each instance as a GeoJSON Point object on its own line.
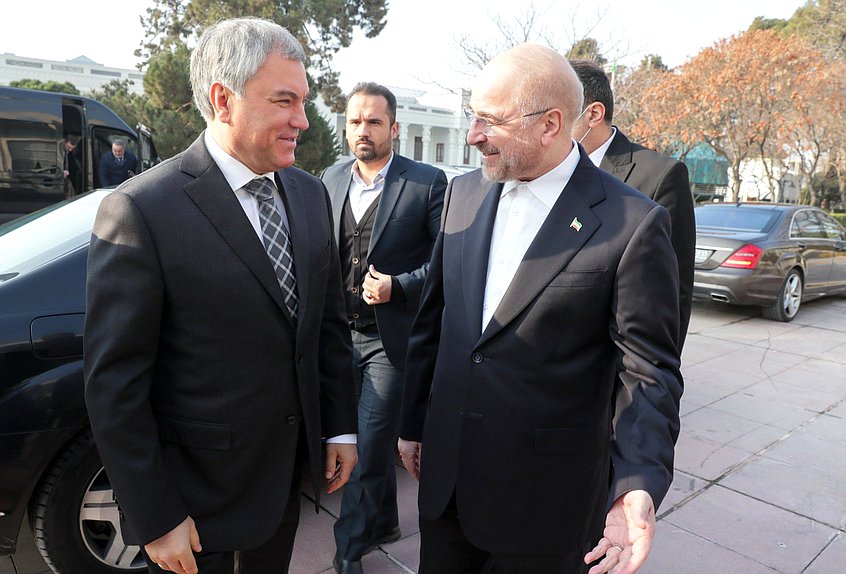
{"type": "Point", "coordinates": [432, 129]}
{"type": "Point", "coordinates": [83, 73]}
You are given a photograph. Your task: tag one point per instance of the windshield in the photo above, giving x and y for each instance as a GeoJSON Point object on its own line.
{"type": "Point", "coordinates": [36, 239]}
{"type": "Point", "coordinates": [731, 218]}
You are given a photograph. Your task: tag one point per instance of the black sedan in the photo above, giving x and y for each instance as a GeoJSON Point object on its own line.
{"type": "Point", "coordinates": [771, 255]}
{"type": "Point", "coordinates": [48, 461]}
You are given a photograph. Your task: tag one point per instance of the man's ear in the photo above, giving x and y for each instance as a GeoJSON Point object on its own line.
{"type": "Point", "coordinates": [596, 114]}
{"type": "Point", "coordinates": [221, 102]}
{"type": "Point", "coordinates": [552, 123]}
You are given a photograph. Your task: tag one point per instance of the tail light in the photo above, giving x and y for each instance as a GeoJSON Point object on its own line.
{"type": "Point", "coordinates": [744, 258]}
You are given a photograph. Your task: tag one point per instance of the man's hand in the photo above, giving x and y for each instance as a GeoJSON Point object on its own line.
{"type": "Point", "coordinates": [376, 287]}
{"type": "Point", "coordinates": [628, 534]}
{"type": "Point", "coordinates": [175, 550]}
{"type": "Point", "coordinates": [410, 454]}
{"type": "Point", "coordinates": [340, 460]}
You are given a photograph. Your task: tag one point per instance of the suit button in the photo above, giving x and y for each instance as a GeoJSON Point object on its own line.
{"type": "Point", "coordinates": [356, 315]}
{"type": "Point", "coordinates": [354, 290]}
{"type": "Point", "coordinates": [477, 357]}
{"type": "Point", "coordinates": [356, 233]}
{"type": "Point", "coordinates": [292, 420]}
{"type": "Point", "coordinates": [355, 260]}
{"type": "Point", "coordinates": [299, 359]}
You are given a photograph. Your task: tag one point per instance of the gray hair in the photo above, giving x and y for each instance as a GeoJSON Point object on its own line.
{"type": "Point", "coordinates": [232, 51]}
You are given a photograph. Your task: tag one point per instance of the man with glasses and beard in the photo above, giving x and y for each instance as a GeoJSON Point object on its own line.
{"type": "Point", "coordinates": [662, 179]}
{"type": "Point", "coordinates": [387, 210]}
{"type": "Point", "coordinates": [540, 409]}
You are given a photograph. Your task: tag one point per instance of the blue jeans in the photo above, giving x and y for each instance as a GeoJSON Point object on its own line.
{"type": "Point", "coordinates": [369, 502]}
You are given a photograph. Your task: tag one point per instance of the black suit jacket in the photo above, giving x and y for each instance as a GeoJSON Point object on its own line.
{"type": "Point", "coordinates": [404, 231]}
{"type": "Point", "coordinates": [519, 421]}
{"type": "Point", "coordinates": [197, 381]}
{"type": "Point", "coordinates": [665, 181]}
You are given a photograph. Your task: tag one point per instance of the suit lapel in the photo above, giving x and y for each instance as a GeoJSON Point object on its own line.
{"type": "Point", "coordinates": [394, 182]}
{"type": "Point", "coordinates": [292, 196]}
{"type": "Point", "coordinates": [476, 246]}
{"type": "Point", "coordinates": [338, 190]}
{"type": "Point", "coordinates": [213, 196]}
{"type": "Point", "coordinates": [569, 225]}
{"type": "Point", "coordinates": [618, 158]}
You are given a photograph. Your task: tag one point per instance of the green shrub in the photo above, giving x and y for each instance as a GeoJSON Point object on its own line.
{"type": "Point", "coordinates": [841, 217]}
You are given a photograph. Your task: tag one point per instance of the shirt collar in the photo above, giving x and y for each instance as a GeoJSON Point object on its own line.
{"type": "Point", "coordinates": [380, 176]}
{"type": "Point", "coordinates": [237, 175]}
{"type": "Point", "coordinates": [599, 153]}
{"type": "Point", "coordinates": [548, 187]}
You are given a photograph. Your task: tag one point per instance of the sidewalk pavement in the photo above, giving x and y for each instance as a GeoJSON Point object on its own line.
{"type": "Point", "coordinates": [760, 482]}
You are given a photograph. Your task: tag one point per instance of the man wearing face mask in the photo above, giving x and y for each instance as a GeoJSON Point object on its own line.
{"type": "Point", "coordinates": [661, 178]}
{"type": "Point", "coordinates": [387, 210]}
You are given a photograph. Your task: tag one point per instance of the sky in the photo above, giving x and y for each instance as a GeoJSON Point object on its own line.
{"type": "Point", "coordinates": [418, 46]}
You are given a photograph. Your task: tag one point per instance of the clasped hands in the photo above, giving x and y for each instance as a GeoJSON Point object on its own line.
{"type": "Point", "coordinates": [376, 288]}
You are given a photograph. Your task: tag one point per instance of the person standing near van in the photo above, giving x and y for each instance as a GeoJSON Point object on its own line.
{"type": "Point", "coordinates": [118, 165]}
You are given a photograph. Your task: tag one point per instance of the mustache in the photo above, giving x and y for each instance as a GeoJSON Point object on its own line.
{"type": "Point", "coordinates": [363, 140]}
{"type": "Point", "coordinates": [486, 148]}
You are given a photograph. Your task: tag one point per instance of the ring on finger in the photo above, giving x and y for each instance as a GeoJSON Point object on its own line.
{"type": "Point", "coordinates": [620, 548]}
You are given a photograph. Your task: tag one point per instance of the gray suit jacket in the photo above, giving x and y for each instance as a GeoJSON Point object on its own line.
{"type": "Point", "coordinates": [197, 380]}
{"type": "Point", "coordinates": [528, 423]}
{"type": "Point", "coordinates": [404, 231]}
{"type": "Point", "coordinates": [665, 181]}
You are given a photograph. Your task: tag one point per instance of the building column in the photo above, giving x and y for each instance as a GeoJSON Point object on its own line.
{"type": "Point", "coordinates": [427, 136]}
{"type": "Point", "coordinates": [402, 137]}
{"type": "Point", "coordinates": [456, 145]}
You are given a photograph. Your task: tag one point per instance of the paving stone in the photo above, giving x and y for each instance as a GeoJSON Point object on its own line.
{"type": "Point", "coordinates": [684, 485]}
{"type": "Point", "coordinates": [828, 428]}
{"type": "Point", "coordinates": [756, 530]}
{"type": "Point", "coordinates": [765, 411]}
{"type": "Point", "coordinates": [716, 425]}
{"type": "Point", "coordinates": [675, 550]}
{"type": "Point", "coordinates": [794, 395]}
{"type": "Point", "coordinates": [808, 341]}
{"type": "Point", "coordinates": [705, 458]}
{"type": "Point", "coordinates": [831, 559]}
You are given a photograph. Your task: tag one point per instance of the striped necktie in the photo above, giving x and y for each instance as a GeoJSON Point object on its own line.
{"type": "Point", "coordinates": [277, 241]}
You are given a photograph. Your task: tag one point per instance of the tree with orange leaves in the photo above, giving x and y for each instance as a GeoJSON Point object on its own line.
{"type": "Point", "coordinates": [739, 96]}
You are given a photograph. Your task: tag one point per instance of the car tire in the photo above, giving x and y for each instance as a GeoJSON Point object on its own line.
{"type": "Point", "coordinates": [74, 517]}
{"type": "Point", "coordinates": [789, 298]}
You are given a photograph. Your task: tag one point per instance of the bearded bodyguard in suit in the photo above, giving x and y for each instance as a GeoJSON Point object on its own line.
{"type": "Point", "coordinates": [387, 211]}
{"type": "Point", "coordinates": [217, 352]}
{"type": "Point", "coordinates": [548, 277]}
{"type": "Point", "coordinates": [662, 179]}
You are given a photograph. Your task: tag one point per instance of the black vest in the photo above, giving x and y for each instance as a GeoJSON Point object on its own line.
{"type": "Point", "coordinates": [353, 244]}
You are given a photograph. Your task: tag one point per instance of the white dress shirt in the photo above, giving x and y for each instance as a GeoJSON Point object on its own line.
{"type": "Point", "coordinates": [363, 194]}
{"type": "Point", "coordinates": [599, 153]}
{"type": "Point", "coordinates": [523, 207]}
{"type": "Point", "coordinates": [238, 175]}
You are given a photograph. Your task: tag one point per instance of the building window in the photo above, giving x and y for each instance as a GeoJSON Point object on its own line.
{"type": "Point", "coordinates": [466, 159]}
{"type": "Point", "coordinates": [105, 73]}
{"type": "Point", "coordinates": [24, 63]}
{"type": "Point", "coordinates": [63, 68]}
{"type": "Point", "coordinates": [439, 153]}
{"type": "Point", "coordinates": [418, 148]}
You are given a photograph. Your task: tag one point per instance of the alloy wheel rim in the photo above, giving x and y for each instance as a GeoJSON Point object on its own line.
{"type": "Point", "coordinates": [792, 295]}
{"type": "Point", "coordinates": [99, 525]}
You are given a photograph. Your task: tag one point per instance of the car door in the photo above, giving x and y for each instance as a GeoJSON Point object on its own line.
{"type": "Point", "coordinates": [837, 235]}
{"type": "Point", "coordinates": [810, 239]}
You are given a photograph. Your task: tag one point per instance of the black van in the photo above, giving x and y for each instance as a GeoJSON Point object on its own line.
{"type": "Point", "coordinates": [51, 144]}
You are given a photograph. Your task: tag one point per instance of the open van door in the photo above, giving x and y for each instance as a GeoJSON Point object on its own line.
{"type": "Point", "coordinates": [149, 155]}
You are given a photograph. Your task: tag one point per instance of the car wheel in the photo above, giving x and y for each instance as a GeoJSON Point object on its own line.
{"type": "Point", "coordinates": [789, 299]}
{"type": "Point", "coordinates": [75, 518]}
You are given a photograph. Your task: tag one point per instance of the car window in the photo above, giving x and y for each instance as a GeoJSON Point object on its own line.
{"type": "Point", "coordinates": [806, 225]}
{"type": "Point", "coordinates": [41, 237]}
{"type": "Point", "coordinates": [833, 229]}
{"type": "Point", "coordinates": [731, 218]}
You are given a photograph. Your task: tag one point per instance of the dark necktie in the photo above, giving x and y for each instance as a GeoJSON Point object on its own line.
{"type": "Point", "coordinates": [277, 242]}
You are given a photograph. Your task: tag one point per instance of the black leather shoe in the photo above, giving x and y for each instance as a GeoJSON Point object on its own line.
{"type": "Point", "coordinates": [347, 566]}
{"type": "Point", "coordinates": [392, 535]}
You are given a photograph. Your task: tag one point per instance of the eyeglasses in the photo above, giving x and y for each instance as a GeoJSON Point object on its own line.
{"type": "Point", "coordinates": [486, 125]}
